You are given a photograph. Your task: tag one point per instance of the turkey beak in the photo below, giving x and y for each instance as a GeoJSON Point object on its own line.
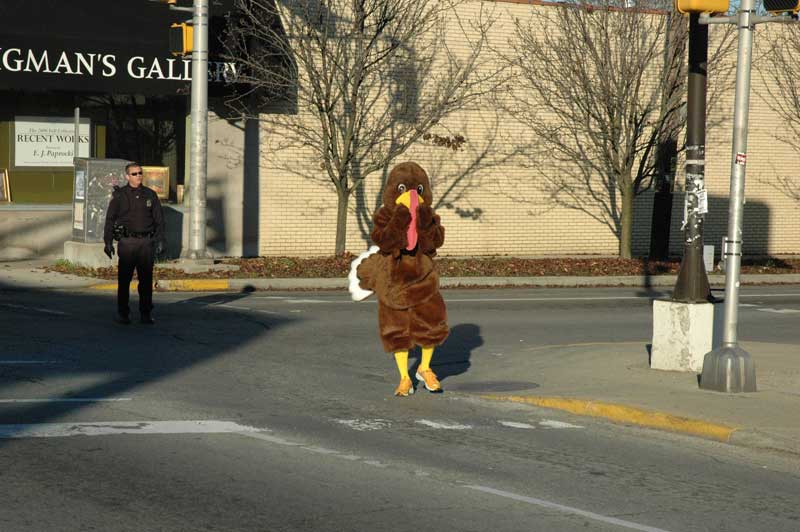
{"type": "Point", "coordinates": [405, 198]}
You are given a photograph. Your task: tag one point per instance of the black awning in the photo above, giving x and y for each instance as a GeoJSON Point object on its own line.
{"type": "Point", "coordinates": [101, 46]}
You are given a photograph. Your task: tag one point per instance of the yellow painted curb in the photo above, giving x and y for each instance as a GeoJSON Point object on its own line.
{"type": "Point", "coordinates": [197, 285]}
{"type": "Point", "coordinates": [113, 286]}
{"type": "Point", "coordinates": [175, 285]}
{"type": "Point", "coordinates": [624, 414]}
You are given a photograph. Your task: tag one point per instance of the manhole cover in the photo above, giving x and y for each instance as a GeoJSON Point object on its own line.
{"type": "Point", "coordinates": [491, 386]}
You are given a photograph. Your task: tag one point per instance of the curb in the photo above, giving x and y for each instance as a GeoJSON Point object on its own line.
{"type": "Point", "coordinates": [340, 283]}
{"type": "Point", "coordinates": [624, 414]}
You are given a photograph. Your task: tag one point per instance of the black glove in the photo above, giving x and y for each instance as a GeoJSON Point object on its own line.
{"type": "Point", "coordinates": [109, 250]}
{"type": "Point", "coordinates": [160, 247]}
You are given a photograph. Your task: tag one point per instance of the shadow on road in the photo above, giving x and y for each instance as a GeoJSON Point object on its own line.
{"type": "Point", "coordinates": [453, 356]}
{"type": "Point", "coordinates": [69, 341]}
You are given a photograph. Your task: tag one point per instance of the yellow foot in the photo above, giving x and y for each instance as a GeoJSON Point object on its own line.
{"type": "Point", "coordinates": [431, 382]}
{"type": "Point", "coordinates": [405, 388]}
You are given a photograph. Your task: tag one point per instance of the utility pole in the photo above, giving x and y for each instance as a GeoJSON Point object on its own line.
{"type": "Point", "coordinates": [692, 284]}
{"type": "Point", "coordinates": [197, 33]}
{"type": "Point", "coordinates": [199, 132]}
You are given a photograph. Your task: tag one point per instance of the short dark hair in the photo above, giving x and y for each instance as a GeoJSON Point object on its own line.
{"type": "Point", "coordinates": [129, 166]}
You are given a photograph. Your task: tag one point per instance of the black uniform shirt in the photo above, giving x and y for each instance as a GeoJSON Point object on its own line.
{"type": "Point", "coordinates": [138, 209]}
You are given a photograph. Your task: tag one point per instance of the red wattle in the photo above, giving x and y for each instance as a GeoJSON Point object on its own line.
{"type": "Point", "coordinates": [412, 227]}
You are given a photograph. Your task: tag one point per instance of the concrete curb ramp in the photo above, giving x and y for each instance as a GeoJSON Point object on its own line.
{"type": "Point", "coordinates": [624, 414]}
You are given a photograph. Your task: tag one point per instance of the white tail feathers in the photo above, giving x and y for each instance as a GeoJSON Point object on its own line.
{"type": "Point", "coordinates": [356, 292]}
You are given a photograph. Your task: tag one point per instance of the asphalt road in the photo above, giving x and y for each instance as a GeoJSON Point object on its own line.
{"type": "Point", "coordinates": [265, 411]}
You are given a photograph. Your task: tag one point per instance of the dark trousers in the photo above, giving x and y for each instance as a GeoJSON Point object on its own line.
{"type": "Point", "coordinates": [135, 254]}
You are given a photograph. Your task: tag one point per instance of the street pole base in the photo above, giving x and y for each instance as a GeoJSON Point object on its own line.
{"type": "Point", "coordinates": [728, 369]}
{"type": "Point", "coordinates": [195, 255]}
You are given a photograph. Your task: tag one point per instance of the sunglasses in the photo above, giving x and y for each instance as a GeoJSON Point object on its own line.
{"type": "Point", "coordinates": [135, 173]}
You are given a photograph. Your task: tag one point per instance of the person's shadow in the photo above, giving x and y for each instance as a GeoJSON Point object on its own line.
{"type": "Point", "coordinates": [453, 356]}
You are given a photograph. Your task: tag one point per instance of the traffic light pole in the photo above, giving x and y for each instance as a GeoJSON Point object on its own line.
{"type": "Point", "coordinates": [692, 284]}
{"type": "Point", "coordinates": [199, 132]}
{"type": "Point", "coordinates": [729, 368]}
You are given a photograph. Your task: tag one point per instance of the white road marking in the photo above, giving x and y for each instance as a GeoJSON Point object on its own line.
{"type": "Point", "coordinates": [506, 299]}
{"type": "Point", "coordinates": [320, 450]}
{"type": "Point", "coordinates": [61, 430]}
{"type": "Point", "coordinates": [14, 362]}
{"type": "Point", "coordinates": [269, 438]}
{"type": "Point", "coordinates": [68, 400]}
{"type": "Point", "coordinates": [239, 307]}
{"type": "Point", "coordinates": [365, 424]}
{"type": "Point", "coordinates": [36, 309]}
{"type": "Point", "coordinates": [516, 425]}
{"type": "Point", "coordinates": [285, 299]}
{"type": "Point", "coordinates": [568, 509]}
{"type": "Point", "coordinates": [445, 426]}
{"type": "Point", "coordinates": [550, 423]}
{"type": "Point", "coordinates": [779, 310]}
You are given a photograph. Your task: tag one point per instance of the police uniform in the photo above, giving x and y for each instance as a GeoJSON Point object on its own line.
{"type": "Point", "coordinates": [138, 212]}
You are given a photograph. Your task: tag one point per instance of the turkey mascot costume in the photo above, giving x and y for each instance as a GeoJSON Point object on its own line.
{"type": "Point", "coordinates": [399, 268]}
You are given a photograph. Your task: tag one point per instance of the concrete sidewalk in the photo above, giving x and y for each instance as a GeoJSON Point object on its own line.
{"type": "Point", "coordinates": [30, 274]}
{"type": "Point", "coordinates": [613, 381]}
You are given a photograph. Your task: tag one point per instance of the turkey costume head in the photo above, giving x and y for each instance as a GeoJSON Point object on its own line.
{"type": "Point", "coordinates": [408, 186]}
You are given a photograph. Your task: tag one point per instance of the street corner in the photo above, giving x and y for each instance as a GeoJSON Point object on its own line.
{"type": "Point", "coordinates": [623, 414]}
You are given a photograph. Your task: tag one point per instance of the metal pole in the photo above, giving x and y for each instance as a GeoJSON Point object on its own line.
{"type": "Point", "coordinates": [730, 368]}
{"type": "Point", "coordinates": [75, 152]}
{"type": "Point", "coordinates": [199, 133]}
{"type": "Point", "coordinates": [692, 284]}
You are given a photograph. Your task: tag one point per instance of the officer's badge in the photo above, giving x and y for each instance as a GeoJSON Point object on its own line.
{"type": "Point", "coordinates": [149, 203]}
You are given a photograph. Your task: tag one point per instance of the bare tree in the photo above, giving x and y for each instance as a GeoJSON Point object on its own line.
{"type": "Point", "coordinates": [602, 89]}
{"type": "Point", "coordinates": [780, 71]}
{"type": "Point", "coordinates": [356, 82]}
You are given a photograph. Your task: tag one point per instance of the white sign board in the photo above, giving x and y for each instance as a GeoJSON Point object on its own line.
{"type": "Point", "coordinates": [48, 140]}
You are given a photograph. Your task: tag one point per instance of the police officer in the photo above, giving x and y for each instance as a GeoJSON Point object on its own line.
{"type": "Point", "coordinates": [134, 217]}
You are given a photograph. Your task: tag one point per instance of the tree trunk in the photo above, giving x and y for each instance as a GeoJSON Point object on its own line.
{"type": "Point", "coordinates": [341, 221]}
{"type": "Point", "coordinates": [626, 223]}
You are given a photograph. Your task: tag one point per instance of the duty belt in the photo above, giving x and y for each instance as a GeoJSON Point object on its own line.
{"type": "Point", "coordinates": [146, 234]}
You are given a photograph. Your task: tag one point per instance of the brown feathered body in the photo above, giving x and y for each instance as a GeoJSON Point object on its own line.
{"type": "Point", "coordinates": [411, 310]}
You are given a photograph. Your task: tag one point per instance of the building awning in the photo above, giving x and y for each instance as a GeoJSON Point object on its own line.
{"type": "Point", "coordinates": [102, 47]}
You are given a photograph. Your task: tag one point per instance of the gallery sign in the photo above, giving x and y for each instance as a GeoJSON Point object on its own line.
{"type": "Point", "coordinates": [94, 46]}
{"type": "Point", "coordinates": [49, 141]}
{"type": "Point", "coordinates": [86, 69]}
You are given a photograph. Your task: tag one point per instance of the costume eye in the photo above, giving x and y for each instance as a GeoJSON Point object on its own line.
{"type": "Point", "coordinates": [420, 189]}
{"type": "Point", "coordinates": [401, 188]}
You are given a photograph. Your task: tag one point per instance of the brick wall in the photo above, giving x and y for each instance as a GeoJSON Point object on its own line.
{"type": "Point", "coordinates": [494, 204]}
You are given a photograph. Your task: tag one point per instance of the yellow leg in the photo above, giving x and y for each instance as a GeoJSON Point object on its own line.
{"type": "Point", "coordinates": [427, 355]}
{"type": "Point", "coordinates": [401, 357]}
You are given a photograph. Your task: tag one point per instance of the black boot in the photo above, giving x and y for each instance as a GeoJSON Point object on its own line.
{"type": "Point", "coordinates": [122, 318]}
{"type": "Point", "coordinates": [147, 319]}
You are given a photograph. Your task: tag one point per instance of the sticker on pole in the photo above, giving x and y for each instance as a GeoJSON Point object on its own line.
{"type": "Point", "coordinates": [702, 201]}
{"type": "Point", "coordinates": [741, 158]}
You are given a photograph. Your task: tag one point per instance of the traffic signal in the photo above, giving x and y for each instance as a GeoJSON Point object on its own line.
{"type": "Point", "coordinates": [181, 36]}
{"type": "Point", "coordinates": [702, 6]}
{"type": "Point", "coordinates": [782, 6]}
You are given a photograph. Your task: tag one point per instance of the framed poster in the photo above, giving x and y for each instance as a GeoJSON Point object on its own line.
{"type": "Point", "coordinates": [5, 188]}
{"type": "Point", "coordinates": [157, 178]}
{"type": "Point", "coordinates": [49, 141]}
